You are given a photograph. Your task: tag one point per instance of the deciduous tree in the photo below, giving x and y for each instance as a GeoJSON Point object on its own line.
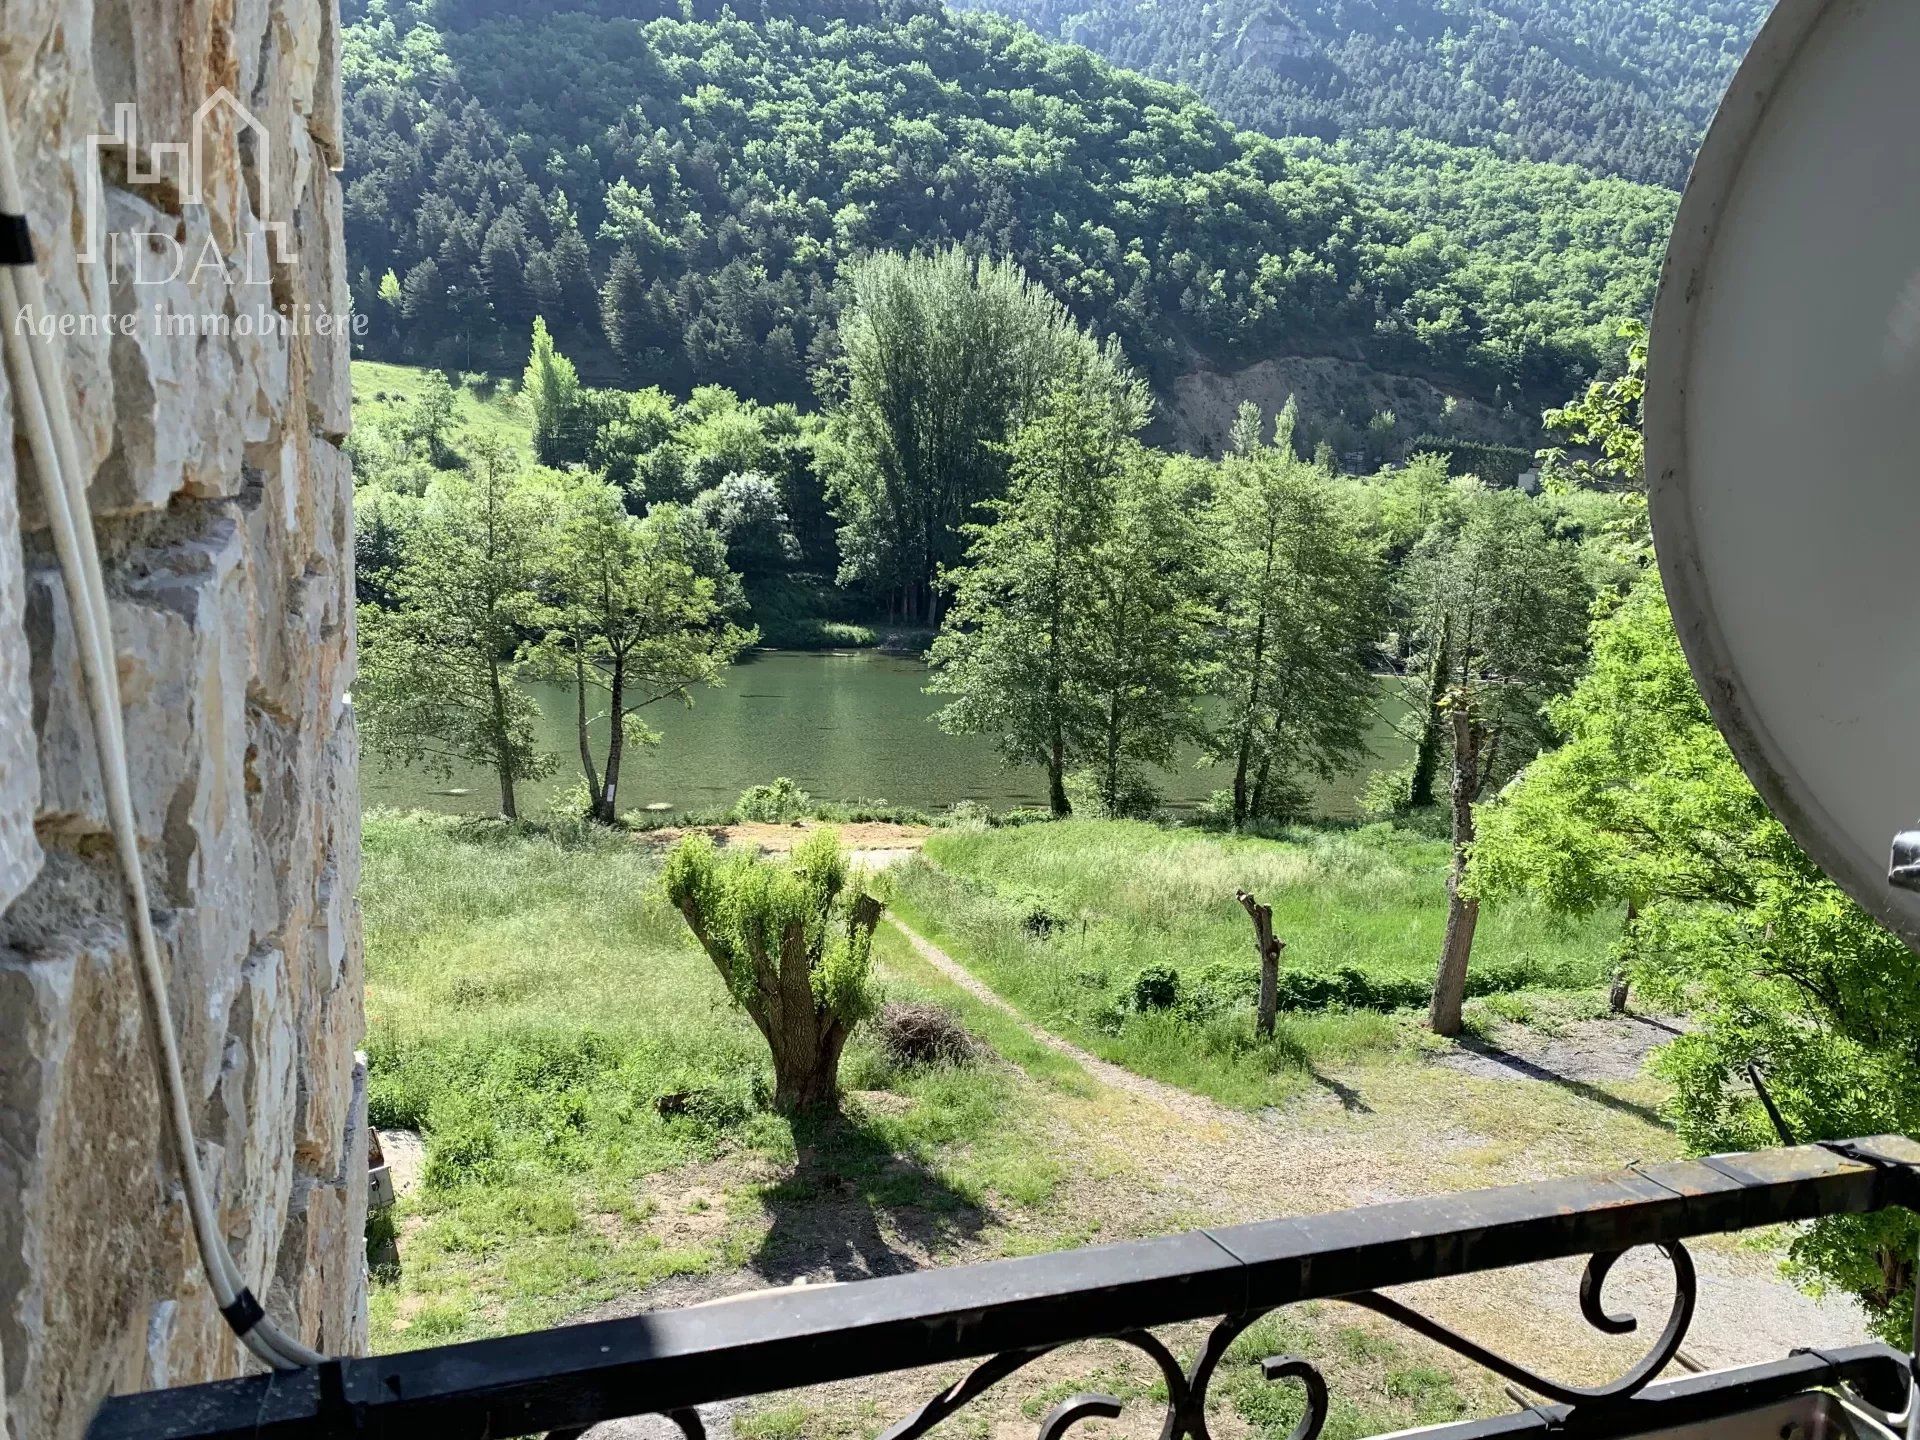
{"type": "Point", "coordinates": [1300, 610]}
{"type": "Point", "coordinates": [1509, 604]}
{"type": "Point", "coordinates": [1642, 803]}
{"type": "Point", "coordinates": [946, 355]}
{"type": "Point", "coordinates": [633, 620]}
{"type": "Point", "coordinates": [1014, 649]}
{"type": "Point", "coordinates": [440, 671]}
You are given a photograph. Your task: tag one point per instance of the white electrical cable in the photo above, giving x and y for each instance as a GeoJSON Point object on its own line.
{"type": "Point", "coordinates": [40, 388]}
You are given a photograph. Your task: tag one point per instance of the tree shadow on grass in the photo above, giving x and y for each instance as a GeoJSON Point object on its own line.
{"type": "Point", "coordinates": [854, 1208]}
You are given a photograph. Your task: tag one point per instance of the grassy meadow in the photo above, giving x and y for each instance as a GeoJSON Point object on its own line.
{"type": "Point", "coordinates": [381, 390]}
{"type": "Point", "coordinates": [538, 1013]}
{"type": "Point", "coordinates": [1127, 937]}
{"type": "Point", "coordinates": [596, 1126]}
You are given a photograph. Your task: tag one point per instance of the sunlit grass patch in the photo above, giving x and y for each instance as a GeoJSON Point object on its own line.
{"type": "Point", "coordinates": [1128, 938]}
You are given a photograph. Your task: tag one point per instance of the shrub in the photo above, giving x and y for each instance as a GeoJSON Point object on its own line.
{"type": "Point", "coordinates": [911, 1034]}
{"type": "Point", "coordinates": [1156, 988]}
{"type": "Point", "coordinates": [1135, 799]}
{"type": "Point", "coordinates": [967, 813]}
{"type": "Point", "coordinates": [774, 804]}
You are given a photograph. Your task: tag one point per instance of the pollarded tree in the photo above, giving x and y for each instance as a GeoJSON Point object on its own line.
{"type": "Point", "coordinates": [635, 618]}
{"type": "Point", "coordinates": [1014, 650]}
{"type": "Point", "coordinates": [1510, 605]}
{"type": "Point", "coordinates": [440, 668]}
{"type": "Point", "coordinates": [793, 943]}
{"type": "Point", "coordinates": [946, 356]}
{"type": "Point", "coordinates": [1300, 602]}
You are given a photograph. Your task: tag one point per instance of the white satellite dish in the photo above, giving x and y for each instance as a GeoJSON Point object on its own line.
{"type": "Point", "coordinates": [1783, 431]}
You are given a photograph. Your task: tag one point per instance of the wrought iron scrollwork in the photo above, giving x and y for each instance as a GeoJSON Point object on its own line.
{"type": "Point", "coordinates": [1065, 1415]}
{"type": "Point", "coordinates": [1685, 1292]}
{"type": "Point", "coordinates": [1187, 1390]}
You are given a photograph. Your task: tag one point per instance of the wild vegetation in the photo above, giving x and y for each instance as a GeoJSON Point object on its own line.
{"type": "Point", "coordinates": [841, 321]}
{"type": "Point", "coordinates": [1618, 87]}
{"type": "Point", "coordinates": [681, 209]}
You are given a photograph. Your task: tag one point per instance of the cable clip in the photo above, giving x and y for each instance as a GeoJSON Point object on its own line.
{"type": "Point", "coordinates": [244, 1313]}
{"type": "Point", "coordinates": [16, 241]}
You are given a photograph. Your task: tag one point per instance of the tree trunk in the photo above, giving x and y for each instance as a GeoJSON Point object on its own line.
{"type": "Point", "coordinates": [580, 717]}
{"type": "Point", "coordinates": [1618, 992]}
{"type": "Point", "coordinates": [1240, 780]}
{"type": "Point", "coordinates": [1257, 799]}
{"type": "Point", "coordinates": [1268, 950]}
{"type": "Point", "coordinates": [1248, 724]}
{"type": "Point", "coordinates": [1426, 754]}
{"type": "Point", "coordinates": [503, 762]}
{"type": "Point", "coordinates": [1057, 776]}
{"type": "Point", "coordinates": [806, 1071]}
{"type": "Point", "coordinates": [605, 804]}
{"type": "Point", "coordinates": [1112, 785]}
{"type": "Point", "coordinates": [1463, 913]}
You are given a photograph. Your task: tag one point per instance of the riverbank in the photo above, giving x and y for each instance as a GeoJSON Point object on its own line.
{"type": "Point", "coordinates": [842, 725]}
{"type": "Point", "coordinates": [597, 1142]}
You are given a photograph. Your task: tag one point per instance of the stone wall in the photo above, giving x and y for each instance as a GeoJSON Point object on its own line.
{"type": "Point", "coordinates": [222, 502]}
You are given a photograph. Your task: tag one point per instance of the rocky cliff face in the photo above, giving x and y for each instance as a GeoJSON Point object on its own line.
{"type": "Point", "coordinates": [212, 433]}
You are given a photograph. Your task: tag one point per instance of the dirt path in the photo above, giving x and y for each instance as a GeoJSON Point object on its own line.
{"type": "Point", "coordinates": [1148, 1158]}
{"type": "Point", "coordinates": [1170, 1097]}
{"type": "Point", "coordinates": [1272, 1164]}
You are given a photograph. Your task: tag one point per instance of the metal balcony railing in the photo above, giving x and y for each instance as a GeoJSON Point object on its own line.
{"type": "Point", "coordinates": [1008, 1313]}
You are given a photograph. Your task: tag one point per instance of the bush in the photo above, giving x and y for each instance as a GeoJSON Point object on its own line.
{"type": "Point", "coordinates": [777, 804]}
{"type": "Point", "coordinates": [969, 813]}
{"type": "Point", "coordinates": [1156, 988]}
{"type": "Point", "coordinates": [1137, 799]}
{"type": "Point", "coordinates": [912, 1034]}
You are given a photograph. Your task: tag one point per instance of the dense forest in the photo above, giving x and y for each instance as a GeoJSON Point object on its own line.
{"type": "Point", "coordinates": [677, 195]}
{"type": "Point", "coordinates": [1620, 87]}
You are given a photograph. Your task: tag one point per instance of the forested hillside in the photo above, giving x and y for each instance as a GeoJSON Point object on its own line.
{"type": "Point", "coordinates": [1621, 87]}
{"type": "Point", "coordinates": [676, 197]}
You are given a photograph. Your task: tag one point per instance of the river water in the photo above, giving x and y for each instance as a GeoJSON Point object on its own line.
{"type": "Point", "coordinates": [843, 725]}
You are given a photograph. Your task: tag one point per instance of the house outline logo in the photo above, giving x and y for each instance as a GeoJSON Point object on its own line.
{"type": "Point", "coordinates": [180, 163]}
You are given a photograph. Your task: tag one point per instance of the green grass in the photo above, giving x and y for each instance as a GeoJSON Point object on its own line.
{"type": "Point", "coordinates": [380, 389]}
{"type": "Point", "coordinates": [530, 997]}
{"type": "Point", "coordinates": [1063, 918]}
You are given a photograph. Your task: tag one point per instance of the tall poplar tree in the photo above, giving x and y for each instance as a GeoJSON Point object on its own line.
{"type": "Point", "coordinates": [1300, 600]}
{"type": "Point", "coordinates": [946, 356]}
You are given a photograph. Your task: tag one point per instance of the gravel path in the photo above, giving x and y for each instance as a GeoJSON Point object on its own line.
{"type": "Point", "coordinates": [1151, 1158]}
{"type": "Point", "coordinates": [1747, 1311]}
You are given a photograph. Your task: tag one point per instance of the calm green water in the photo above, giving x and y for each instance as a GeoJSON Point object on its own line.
{"type": "Point", "coordinates": [844, 726]}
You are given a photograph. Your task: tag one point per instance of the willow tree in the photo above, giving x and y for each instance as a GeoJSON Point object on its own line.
{"type": "Point", "coordinates": [793, 942]}
{"type": "Point", "coordinates": [1511, 604]}
{"type": "Point", "coordinates": [635, 617]}
{"type": "Point", "coordinates": [946, 355]}
{"type": "Point", "coordinates": [1300, 613]}
{"type": "Point", "coordinates": [440, 669]}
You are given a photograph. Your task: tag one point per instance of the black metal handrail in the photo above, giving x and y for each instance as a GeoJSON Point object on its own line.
{"type": "Point", "coordinates": [1013, 1311]}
